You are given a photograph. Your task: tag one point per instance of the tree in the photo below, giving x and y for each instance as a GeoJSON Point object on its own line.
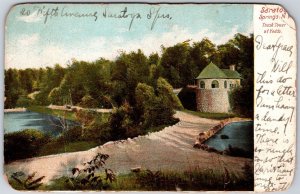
{"type": "Point", "coordinates": [165, 93]}
{"type": "Point", "coordinates": [122, 122]}
{"type": "Point", "coordinates": [128, 71]}
{"type": "Point", "coordinates": [26, 78]}
{"type": "Point", "coordinates": [24, 101]}
{"type": "Point", "coordinates": [154, 59]}
{"type": "Point", "coordinates": [202, 53]}
{"type": "Point", "coordinates": [176, 64]}
{"type": "Point", "coordinates": [88, 102]}
{"type": "Point", "coordinates": [12, 88]}
{"type": "Point", "coordinates": [149, 103]}
{"type": "Point", "coordinates": [50, 79]}
{"type": "Point", "coordinates": [146, 104]}
{"type": "Point", "coordinates": [228, 54]}
{"type": "Point", "coordinates": [242, 98]}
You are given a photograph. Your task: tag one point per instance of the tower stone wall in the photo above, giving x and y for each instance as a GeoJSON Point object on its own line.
{"type": "Point", "coordinates": [214, 100]}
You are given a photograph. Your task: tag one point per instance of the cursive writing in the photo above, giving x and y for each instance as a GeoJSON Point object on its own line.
{"type": "Point", "coordinates": [275, 106]}
{"type": "Point", "coordinates": [153, 16]}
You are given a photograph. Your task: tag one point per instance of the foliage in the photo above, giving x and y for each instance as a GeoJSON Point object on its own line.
{"type": "Point", "coordinates": [88, 102]}
{"type": "Point", "coordinates": [99, 132]}
{"type": "Point", "coordinates": [176, 63]}
{"type": "Point", "coordinates": [89, 177]}
{"type": "Point", "coordinates": [165, 92]}
{"type": "Point", "coordinates": [12, 88]}
{"type": "Point", "coordinates": [202, 53]}
{"type": "Point", "coordinates": [192, 180]}
{"type": "Point", "coordinates": [105, 83]}
{"type": "Point", "coordinates": [23, 144]}
{"type": "Point", "coordinates": [55, 96]}
{"type": "Point", "coordinates": [196, 179]}
{"type": "Point", "coordinates": [241, 100]}
{"type": "Point", "coordinates": [189, 180]}
{"type": "Point", "coordinates": [24, 101]}
{"type": "Point", "coordinates": [122, 124]}
{"type": "Point", "coordinates": [85, 117]}
{"type": "Point", "coordinates": [19, 181]}
{"type": "Point", "coordinates": [146, 102]}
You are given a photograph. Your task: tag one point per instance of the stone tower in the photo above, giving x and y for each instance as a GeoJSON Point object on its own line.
{"type": "Point", "coordinates": [213, 87]}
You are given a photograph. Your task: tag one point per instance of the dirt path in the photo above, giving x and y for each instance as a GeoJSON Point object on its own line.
{"type": "Point", "coordinates": [169, 149]}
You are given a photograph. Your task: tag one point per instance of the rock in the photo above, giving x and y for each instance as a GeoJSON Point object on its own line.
{"type": "Point", "coordinates": [224, 137]}
{"type": "Point", "coordinates": [136, 169]}
{"type": "Point", "coordinates": [211, 149]}
{"type": "Point", "coordinates": [197, 145]}
{"type": "Point", "coordinates": [204, 147]}
{"type": "Point", "coordinates": [109, 143]}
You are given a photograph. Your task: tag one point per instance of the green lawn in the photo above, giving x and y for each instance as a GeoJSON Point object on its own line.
{"type": "Point", "coordinates": [192, 180]}
{"type": "Point", "coordinates": [60, 113]}
{"type": "Point", "coordinates": [56, 147]}
{"type": "Point", "coordinates": [217, 116]}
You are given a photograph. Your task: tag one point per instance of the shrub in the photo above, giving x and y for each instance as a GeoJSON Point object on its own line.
{"type": "Point", "coordinates": [194, 179]}
{"type": "Point", "coordinates": [72, 134]}
{"type": "Point", "coordinates": [122, 122]}
{"type": "Point", "coordinates": [88, 102]}
{"type": "Point", "coordinates": [55, 96]}
{"type": "Point", "coordinates": [24, 101]}
{"type": "Point", "coordinates": [99, 132]}
{"type": "Point", "coordinates": [241, 101]}
{"type": "Point", "coordinates": [156, 109]}
{"type": "Point", "coordinates": [23, 144]}
{"type": "Point", "coordinates": [85, 117]}
{"type": "Point", "coordinates": [165, 92]}
{"type": "Point", "coordinates": [90, 177]}
{"type": "Point", "coordinates": [21, 181]}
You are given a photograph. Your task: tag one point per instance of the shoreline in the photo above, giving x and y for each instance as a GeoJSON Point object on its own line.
{"type": "Point", "coordinates": [15, 110]}
{"type": "Point", "coordinates": [204, 136]}
{"type": "Point", "coordinates": [71, 108]}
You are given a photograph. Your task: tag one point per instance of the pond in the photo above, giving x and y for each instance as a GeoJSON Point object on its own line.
{"type": "Point", "coordinates": [17, 121]}
{"type": "Point", "coordinates": [237, 135]}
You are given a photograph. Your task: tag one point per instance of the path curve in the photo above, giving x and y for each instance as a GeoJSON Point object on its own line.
{"type": "Point", "coordinates": [168, 149]}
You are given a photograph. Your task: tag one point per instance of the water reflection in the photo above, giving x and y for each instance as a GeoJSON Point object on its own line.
{"type": "Point", "coordinates": [32, 120]}
{"type": "Point", "coordinates": [236, 135]}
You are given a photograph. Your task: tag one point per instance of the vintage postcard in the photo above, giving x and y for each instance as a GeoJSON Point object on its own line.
{"type": "Point", "coordinates": [149, 97]}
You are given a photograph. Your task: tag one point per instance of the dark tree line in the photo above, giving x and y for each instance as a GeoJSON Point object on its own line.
{"type": "Point", "coordinates": [105, 83]}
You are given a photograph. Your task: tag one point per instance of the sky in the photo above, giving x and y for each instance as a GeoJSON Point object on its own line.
{"type": "Point", "coordinates": [41, 35]}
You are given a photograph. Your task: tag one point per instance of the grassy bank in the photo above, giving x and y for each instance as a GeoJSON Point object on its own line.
{"type": "Point", "coordinates": [146, 180]}
{"type": "Point", "coordinates": [192, 180]}
{"type": "Point", "coordinates": [217, 116]}
{"type": "Point", "coordinates": [59, 113]}
{"type": "Point", "coordinates": [57, 147]}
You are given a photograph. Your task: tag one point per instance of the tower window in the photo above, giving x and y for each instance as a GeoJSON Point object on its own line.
{"type": "Point", "coordinates": [202, 84]}
{"type": "Point", "coordinates": [225, 84]}
{"type": "Point", "coordinates": [215, 84]}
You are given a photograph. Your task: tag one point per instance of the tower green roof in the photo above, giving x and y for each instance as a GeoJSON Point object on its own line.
{"type": "Point", "coordinates": [212, 71]}
{"type": "Point", "coordinates": [232, 74]}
